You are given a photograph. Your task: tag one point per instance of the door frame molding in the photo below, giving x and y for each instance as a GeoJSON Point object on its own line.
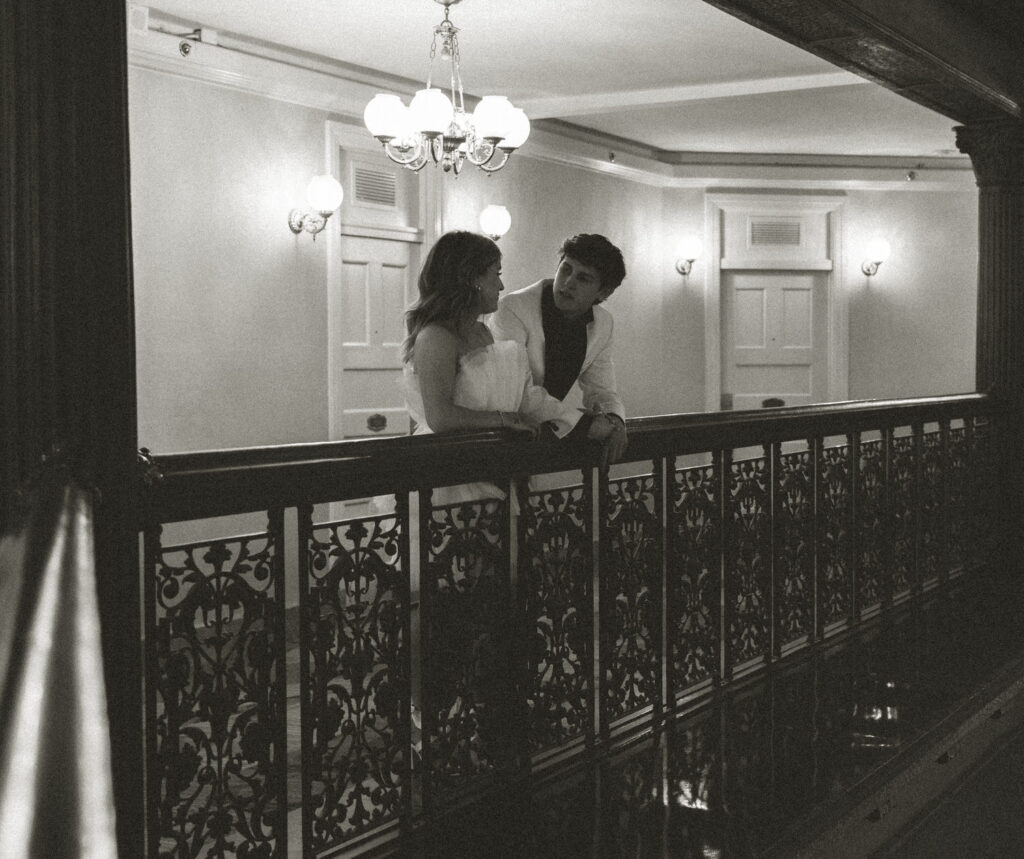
{"type": "Point", "coordinates": [837, 347]}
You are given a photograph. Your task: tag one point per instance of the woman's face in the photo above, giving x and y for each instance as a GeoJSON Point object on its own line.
{"type": "Point", "coordinates": [489, 287]}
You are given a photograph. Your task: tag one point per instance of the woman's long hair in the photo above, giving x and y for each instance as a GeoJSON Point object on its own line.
{"type": "Point", "coordinates": [446, 285]}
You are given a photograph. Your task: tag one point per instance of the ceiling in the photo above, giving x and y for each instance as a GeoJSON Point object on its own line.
{"type": "Point", "coordinates": [674, 76]}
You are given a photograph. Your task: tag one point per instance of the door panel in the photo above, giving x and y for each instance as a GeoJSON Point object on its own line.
{"type": "Point", "coordinates": [376, 279]}
{"type": "Point", "coordinates": [773, 343]}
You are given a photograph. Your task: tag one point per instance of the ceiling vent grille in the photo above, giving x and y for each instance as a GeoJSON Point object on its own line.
{"type": "Point", "coordinates": [377, 187]}
{"type": "Point", "coordinates": [775, 233]}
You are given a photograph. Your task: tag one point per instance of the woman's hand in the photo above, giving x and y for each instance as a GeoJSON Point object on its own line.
{"type": "Point", "coordinates": [519, 425]}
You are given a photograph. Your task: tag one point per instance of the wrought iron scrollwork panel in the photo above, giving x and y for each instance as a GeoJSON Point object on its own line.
{"type": "Point", "coordinates": [215, 636]}
{"type": "Point", "coordinates": [871, 525]}
{"type": "Point", "coordinates": [467, 673]}
{"type": "Point", "coordinates": [357, 694]}
{"type": "Point", "coordinates": [555, 564]}
{"type": "Point", "coordinates": [931, 507]}
{"type": "Point", "coordinates": [748, 566]}
{"type": "Point", "coordinates": [834, 534]}
{"type": "Point", "coordinates": [694, 577]}
{"type": "Point", "coordinates": [794, 553]}
{"type": "Point", "coordinates": [632, 665]}
{"type": "Point", "coordinates": [902, 515]}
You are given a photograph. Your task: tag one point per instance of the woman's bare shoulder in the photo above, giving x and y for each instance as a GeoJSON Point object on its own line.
{"type": "Point", "coordinates": [436, 345]}
{"type": "Point", "coordinates": [438, 334]}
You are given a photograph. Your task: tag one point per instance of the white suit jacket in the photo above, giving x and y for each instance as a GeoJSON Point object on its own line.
{"type": "Point", "coordinates": [518, 317]}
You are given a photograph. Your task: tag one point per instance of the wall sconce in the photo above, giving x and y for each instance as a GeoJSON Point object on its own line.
{"type": "Point", "coordinates": [877, 252]}
{"type": "Point", "coordinates": [690, 248]}
{"type": "Point", "coordinates": [324, 194]}
{"type": "Point", "coordinates": [495, 221]}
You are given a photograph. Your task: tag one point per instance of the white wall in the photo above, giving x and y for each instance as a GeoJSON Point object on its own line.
{"type": "Point", "coordinates": [231, 331]}
{"type": "Point", "coordinates": [912, 325]}
{"type": "Point", "coordinates": [232, 307]}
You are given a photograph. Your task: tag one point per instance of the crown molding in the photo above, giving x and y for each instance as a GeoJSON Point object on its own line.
{"type": "Point", "coordinates": [341, 92]}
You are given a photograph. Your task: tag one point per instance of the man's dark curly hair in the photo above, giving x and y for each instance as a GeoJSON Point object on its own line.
{"type": "Point", "coordinates": [598, 253]}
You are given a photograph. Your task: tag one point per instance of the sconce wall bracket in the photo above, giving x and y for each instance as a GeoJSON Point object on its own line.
{"type": "Point", "coordinates": [684, 266]}
{"type": "Point", "coordinates": [311, 222]}
{"type": "Point", "coordinates": [870, 268]}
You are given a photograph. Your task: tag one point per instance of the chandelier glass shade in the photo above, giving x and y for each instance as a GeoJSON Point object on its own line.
{"type": "Point", "coordinates": [436, 127]}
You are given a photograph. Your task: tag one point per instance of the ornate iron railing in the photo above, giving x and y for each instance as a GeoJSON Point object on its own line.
{"type": "Point", "coordinates": [443, 651]}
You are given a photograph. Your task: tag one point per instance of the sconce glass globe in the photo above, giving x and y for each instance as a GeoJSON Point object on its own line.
{"type": "Point", "coordinates": [431, 111]}
{"type": "Point", "coordinates": [495, 221]}
{"type": "Point", "coordinates": [518, 129]}
{"type": "Point", "coordinates": [324, 194]}
{"type": "Point", "coordinates": [691, 248]}
{"type": "Point", "coordinates": [385, 115]}
{"type": "Point", "coordinates": [492, 117]}
{"type": "Point", "coordinates": [878, 250]}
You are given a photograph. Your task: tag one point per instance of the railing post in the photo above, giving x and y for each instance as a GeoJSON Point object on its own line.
{"type": "Point", "coordinates": [428, 715]}
{"type": "Point", "coordinates": [306, 621]}
{"type": "Point", "coordinates": [152, 536]}
{"type": "Point", "coordinates": [276, 701]}
{"type": "Point", "coordinates": [591, 518]}
{"type": "Point", "coordinates": [405, 693]}
{"type": "Point", "coordinates": [853, 443]}
{"type": "Point", "coordinates": [718, 468]}
{"type": "Point", "coordinates": [888, 552]}
{"type": "Point", "coordinates": [668, 600]}
{"type": "Point", "coordinates": [918, 494]}
{"type": "Point", "coordinates": [945, 519]}
{"type": "Point", "coordinates": [511, 627]}
{"type": "Point", "coordinates": [817, 443]}
{"type": "Point", "coordinates": [972, 499]}
{"type": "Point", "coordinates": [660, 585]}
{"type": "Point", "coordinates": [606, 600]}
{"type": "Point", "coordinates": [773, 453]}
{"type": "Point", "coordinates": [728, 579]}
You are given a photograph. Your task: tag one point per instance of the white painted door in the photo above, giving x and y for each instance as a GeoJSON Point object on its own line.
{"type": "Point", "coordinates": [377, 276]}
{"type": "Point", "coordinates": [774, 343]}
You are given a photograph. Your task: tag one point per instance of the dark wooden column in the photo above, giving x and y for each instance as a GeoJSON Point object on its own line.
{"type": "Point", "coordinates": [996, 148]}
{"type": "Point", "coordinates": [67, 361]}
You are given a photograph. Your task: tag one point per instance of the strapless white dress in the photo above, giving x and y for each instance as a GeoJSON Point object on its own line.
{"type": "Point", "coordinates": [492, 378]}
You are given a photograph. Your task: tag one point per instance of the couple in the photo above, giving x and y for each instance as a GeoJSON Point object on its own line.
{"type": "Point", "coordinates": [462, 374]}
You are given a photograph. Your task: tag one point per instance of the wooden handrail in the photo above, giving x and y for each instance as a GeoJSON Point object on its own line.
{"type": "Point", "coordinates": [56, 792]}
{"type": "Point", "coordinates": [220, 482]}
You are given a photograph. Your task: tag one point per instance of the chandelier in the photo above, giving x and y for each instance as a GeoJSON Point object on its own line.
{"type": "Point", "coordinates": [436, 127]}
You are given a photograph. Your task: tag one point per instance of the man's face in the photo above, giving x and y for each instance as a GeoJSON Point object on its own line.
{"type": "Point", "coordinates": [577, 287]}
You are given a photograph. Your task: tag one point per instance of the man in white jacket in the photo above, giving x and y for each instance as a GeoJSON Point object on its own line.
{"type": "Point", "coordinates": [568, 338]}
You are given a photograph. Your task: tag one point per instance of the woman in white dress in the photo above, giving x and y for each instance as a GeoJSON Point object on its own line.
{"type": "Point", "coordinates": [456, 375]}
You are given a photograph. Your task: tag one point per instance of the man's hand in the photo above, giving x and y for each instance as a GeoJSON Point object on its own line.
{"type": "Point", "coordinates": [611, 430]}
